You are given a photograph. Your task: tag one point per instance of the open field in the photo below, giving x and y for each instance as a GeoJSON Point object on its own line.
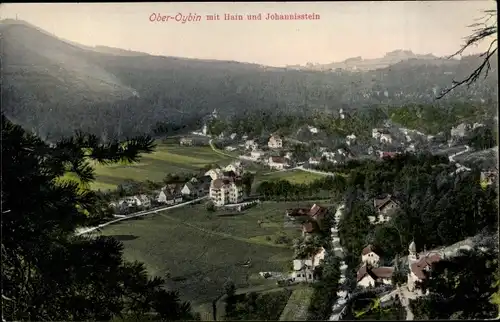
{"type": "Point", "coordinates": [293, 176]}
{"type": "Point", "coordinates": [168, 158]}
{"type": "Point", "coordinates": [201, 250]}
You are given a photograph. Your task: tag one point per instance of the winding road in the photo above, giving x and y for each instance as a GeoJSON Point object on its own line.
{"type": "Point", "coordinates": [137, 214]}
{"type": "Point", "coordinates": [452, 157]}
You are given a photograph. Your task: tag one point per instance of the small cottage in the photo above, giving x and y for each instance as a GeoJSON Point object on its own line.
{"type": "Point", "coordinates": [385, 207]}
{"type": "Point", "coordinates": [275, 142]}
{"type": "Point", "coordinates": [368, 256]}
{"type": "Point", "coordinates": [371, 277]}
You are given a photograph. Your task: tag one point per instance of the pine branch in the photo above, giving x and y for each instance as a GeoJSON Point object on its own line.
{"type": "Point", "coordinates": [481, 32]}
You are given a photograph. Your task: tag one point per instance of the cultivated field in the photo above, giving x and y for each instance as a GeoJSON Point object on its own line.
{"type": "Point", "coordinates": [201, 250]}
{"type": "Point", "coordinates": [168, 158]}
{"type": "Point", "coordinates": [293, 176]}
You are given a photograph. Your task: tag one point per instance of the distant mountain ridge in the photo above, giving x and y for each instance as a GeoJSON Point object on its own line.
{"type": "Point", "coordinates": [360, 64]}
{"type": "Point", "coordinates": [53, 86]}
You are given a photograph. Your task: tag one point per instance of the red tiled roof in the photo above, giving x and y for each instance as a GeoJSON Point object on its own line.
{"type": "Point", "coordinates": [317, 212]}
{"type": "Point", "coordinates": [297, 212]}
{"type": "Point", "coordinates": [217, 183]}
{"type": "Point", "coordinates": [375, 273]}
{"type": "Point", "coordinates": [278, 159]}
{"type": "Point", "coordinates": [383, 272]}
{"type": "Point", "coordinates": [361, 273]}
{"type": "Point", "coordinates": [379, 203]}
{"type": "Point", "coordinates": [367, 250]}
{"type": "Point", "coordinates": [423, 263]}
{"type": "Point", "coordinates": [389, 154]}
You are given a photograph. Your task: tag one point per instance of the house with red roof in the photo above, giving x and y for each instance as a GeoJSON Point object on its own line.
{"type": "Point", "coordinates": [227, 190]}
{"type": "Point", "coordinates": [278, 163]}
{"type": "Point", "coordinates": [385, 207]}
{"type": "Point", "coordinates": [370, 277]}
{"type": "Point", "coordinates": [419, 267]}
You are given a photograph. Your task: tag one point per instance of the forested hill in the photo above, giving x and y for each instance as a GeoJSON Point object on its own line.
{"type": "Point", "coordinates": [52, 86]}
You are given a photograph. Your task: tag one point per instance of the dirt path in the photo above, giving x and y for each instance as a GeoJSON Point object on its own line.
{"type": "Point", "coordinates": [219, 151]}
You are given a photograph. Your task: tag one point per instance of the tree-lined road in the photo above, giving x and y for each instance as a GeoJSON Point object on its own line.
{"type": "Point", "coordinates": [137, 214]}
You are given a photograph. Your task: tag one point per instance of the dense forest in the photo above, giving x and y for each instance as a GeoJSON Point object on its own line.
{"type": "Point", "coordinates": [49, 273]}
{"type": "Point", "coordinates": [52, 87]}
{"type": "Point", "coordinates": [438, 207]}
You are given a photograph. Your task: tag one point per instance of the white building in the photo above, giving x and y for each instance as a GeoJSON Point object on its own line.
{"type": "Point", "coordinates": [236, 167]}
{"type": "Point", "coordinates": [204, 130]}
{"type": "Point", "coordinates": [460, 130]}
{"type": "Point", "coordinates": [368, 256]}
{"type": "Point", "coordinates": [256, 154]}
{"type": "Point", "coordinates": [376, 133]}
{"type": "Point", "coordinates": [303, 269]}
{"type": "Point", "coordinates": [314, 161]}
{"type": "Point", "coordinates": [214, 173]}
{"type": "Point", "coordinates": [278, 163]}
{"type": "Point", "coordinates": [385, 138]}
{"type": "Point", "coordinates": [312, 129]}
{"type": "Point", "coordinates": [350, 139]}
{"type": "Point", "coordinates": [142, 201]}
{"type": "Point", "coordinates": [275, 142]}
{"type": "Point", "coordinates": [169, 198]}
{"type": "Point", "coordinates": [370, 277]}
{"type": "Point", "coordinates": [226, 191]}
{"type": "Point", "coordinates": [251, 145]}
{"type": "Point", "coordinates": [411, 148]}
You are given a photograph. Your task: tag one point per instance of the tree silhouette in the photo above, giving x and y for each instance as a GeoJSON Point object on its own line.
{"type": "Point", "coordinates": [48, 273]}
{"type": "Point", "coordinates": [483, 30]}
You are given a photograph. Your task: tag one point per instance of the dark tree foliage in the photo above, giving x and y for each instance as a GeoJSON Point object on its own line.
{"type": "Point", "coordinates": [454, 206]}
{"type": "Point", "coordinates": [261, 307]}
{"type": "Point", "coordinates": [354, 228]}
{"type": "Point", "coordinates": [460, 287]}
{"type": "Point", "coordinates": [247, 180]}
{"type": "Point", "coordinates": [231, 299]}
{"type": "Point", "coordinates": [325, 290]}
{"type": "Point", "coordinates": [483, 138]}
{"type": "Point", "coordinates": [48, 273]}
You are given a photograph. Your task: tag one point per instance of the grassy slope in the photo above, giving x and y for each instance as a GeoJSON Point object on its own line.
{"type": "Point", "coordinates": [168, 158]}
{"type": "Point", "coordinates": [201, 250]}
{"type": "Point", "coordinates": [293, 176]}
{"type": "Point", "coordinates": [296, 308]}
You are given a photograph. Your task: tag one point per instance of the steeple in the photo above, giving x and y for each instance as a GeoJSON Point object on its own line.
{"type": "Point", "coordinates": [412, 256]}
{"type": "Point", "coordinates": [412, 249]}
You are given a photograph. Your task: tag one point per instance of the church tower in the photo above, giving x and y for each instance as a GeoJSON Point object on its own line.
{"type": "Point", "coordinates": [412, 253]}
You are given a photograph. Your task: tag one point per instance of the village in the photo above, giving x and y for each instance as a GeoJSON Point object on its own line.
{"type": "Point", "coordinates": [277, 153]}
{"type": "Point", "coordinates": [223, 187]}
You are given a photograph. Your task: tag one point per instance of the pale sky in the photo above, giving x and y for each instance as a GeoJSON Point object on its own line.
{"type": "Point", "coordinates": [344, 30]}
